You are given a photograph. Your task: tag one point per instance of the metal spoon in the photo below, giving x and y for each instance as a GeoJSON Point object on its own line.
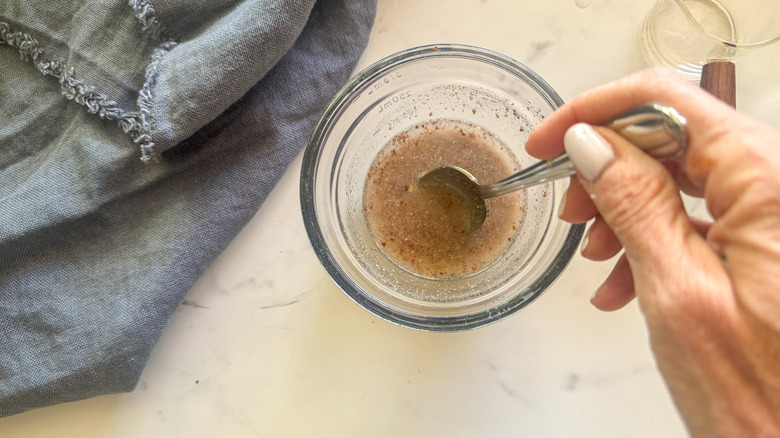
{"type": "Point", "coordinates": [656, 129]}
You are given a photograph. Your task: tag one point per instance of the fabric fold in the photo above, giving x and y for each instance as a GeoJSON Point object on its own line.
{"type": "Point", "coordinates": [97, 250]}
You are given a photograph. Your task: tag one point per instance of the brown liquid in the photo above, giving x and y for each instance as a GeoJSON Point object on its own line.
{"type": "Point", "coordinates": [425, 229]}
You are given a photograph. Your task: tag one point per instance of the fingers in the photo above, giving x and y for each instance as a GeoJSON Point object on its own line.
{"type": "Point", "coordinates": [605, 103]}
{"type": "Point", "coordinates": [635, 195]}
{"type": "Point", "coordinates": [731, 160]}
{"type": "Point", "coordinates": [600, 243]}
{"type": "Point", "coordinates": [639, 208]}
{"type": "Point", "coordinates": [701, 226]}
{"type": "Point", "coordinates": [576, 206]}
{"type": "Point", "coordinates": [677, 170]}
{"type": "Point", "coordinates": [617, 290]}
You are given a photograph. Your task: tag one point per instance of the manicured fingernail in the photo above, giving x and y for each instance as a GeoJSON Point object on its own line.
{"type": "Point", "coordinates": [562, 206]}
{"type": "Point", "coordinates": [588, 150]}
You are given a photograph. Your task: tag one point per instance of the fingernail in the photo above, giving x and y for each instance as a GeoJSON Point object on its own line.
{"type": "Point", "coordinates": [562, 205]}
{"type": "Point", "coordinates": [585, 241]}
{"type": "Point", "coordinates": [588, 150]}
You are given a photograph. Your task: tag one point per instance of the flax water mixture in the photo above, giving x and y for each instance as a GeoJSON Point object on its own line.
{"type": "Point", "coordinates": [424, 229]}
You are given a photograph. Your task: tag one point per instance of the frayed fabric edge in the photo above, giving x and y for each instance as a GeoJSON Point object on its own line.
{"type": "Point", "coordinates": [137, 124]}
{"type": "Point", "coordinates": [146, 15]}
{"type": "Point", "coordinates": [130, 122]}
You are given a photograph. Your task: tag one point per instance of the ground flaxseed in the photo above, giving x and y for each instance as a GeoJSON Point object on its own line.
{"type": "Point", "coordinates": [424, 229]}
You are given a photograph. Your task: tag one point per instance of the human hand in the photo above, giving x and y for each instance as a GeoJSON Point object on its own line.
{"type": "Point", "coordinates": [710, 292]}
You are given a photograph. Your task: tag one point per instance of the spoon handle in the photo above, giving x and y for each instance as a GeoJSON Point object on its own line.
{"type": "Point", "coordinates": [541, 172]}
{"type": "Point", "coordinates": [656, 129]}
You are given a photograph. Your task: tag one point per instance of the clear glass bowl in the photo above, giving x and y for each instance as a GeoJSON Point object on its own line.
{"type": "Point", "coordinates": [454, 82]}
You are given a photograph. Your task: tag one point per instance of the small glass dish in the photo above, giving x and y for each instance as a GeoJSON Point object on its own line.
{"type": "Point", "coordinates": [420, 85]}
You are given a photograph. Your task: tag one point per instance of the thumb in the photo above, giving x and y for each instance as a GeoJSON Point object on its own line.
{"type": "Point", "coordinates": [634, 194]}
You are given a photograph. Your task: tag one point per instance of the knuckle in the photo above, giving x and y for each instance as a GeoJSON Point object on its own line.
{"type": "Point", "coordinates": [638, 200]}
{"type": "Point", "coordinates": [755, 206]}
{"type": "Point", "coordinates": [657, 77]}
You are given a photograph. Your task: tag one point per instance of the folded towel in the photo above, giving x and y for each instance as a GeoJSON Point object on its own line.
{"type": "Point", "coordinates": [136, 140]}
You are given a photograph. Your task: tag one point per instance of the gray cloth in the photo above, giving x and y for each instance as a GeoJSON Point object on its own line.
{"type": "Point", "coordinates": [136, 140]}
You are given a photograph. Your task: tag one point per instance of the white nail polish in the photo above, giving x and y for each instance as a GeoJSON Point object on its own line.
{"type": "Point", "coordinates": [588, 150]}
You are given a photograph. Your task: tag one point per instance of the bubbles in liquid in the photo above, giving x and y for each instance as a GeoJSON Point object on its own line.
{"type": "Point", "coordinates": [582, 3]}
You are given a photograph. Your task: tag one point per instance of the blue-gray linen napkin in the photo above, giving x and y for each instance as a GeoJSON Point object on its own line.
{"type": "Point", "coordinates": [136, 140]}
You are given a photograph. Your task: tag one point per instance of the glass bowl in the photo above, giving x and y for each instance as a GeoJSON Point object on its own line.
{"type": "Point", "coordinates": [417, 86]}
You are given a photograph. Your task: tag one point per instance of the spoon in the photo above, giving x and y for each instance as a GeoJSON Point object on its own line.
{"type": "Point", "coordinates": [656, 129]}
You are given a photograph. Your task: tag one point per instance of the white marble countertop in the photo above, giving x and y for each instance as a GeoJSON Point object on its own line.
{"type": "Point", "coordinates": [266, 345]}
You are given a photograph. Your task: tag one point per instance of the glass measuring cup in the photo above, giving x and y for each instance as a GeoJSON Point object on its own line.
{"type": "Point", "coordinates": [688, 35]}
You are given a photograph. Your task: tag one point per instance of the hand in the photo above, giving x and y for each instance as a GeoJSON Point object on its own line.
{"type": "Point", "coordinates": [710, 292]}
